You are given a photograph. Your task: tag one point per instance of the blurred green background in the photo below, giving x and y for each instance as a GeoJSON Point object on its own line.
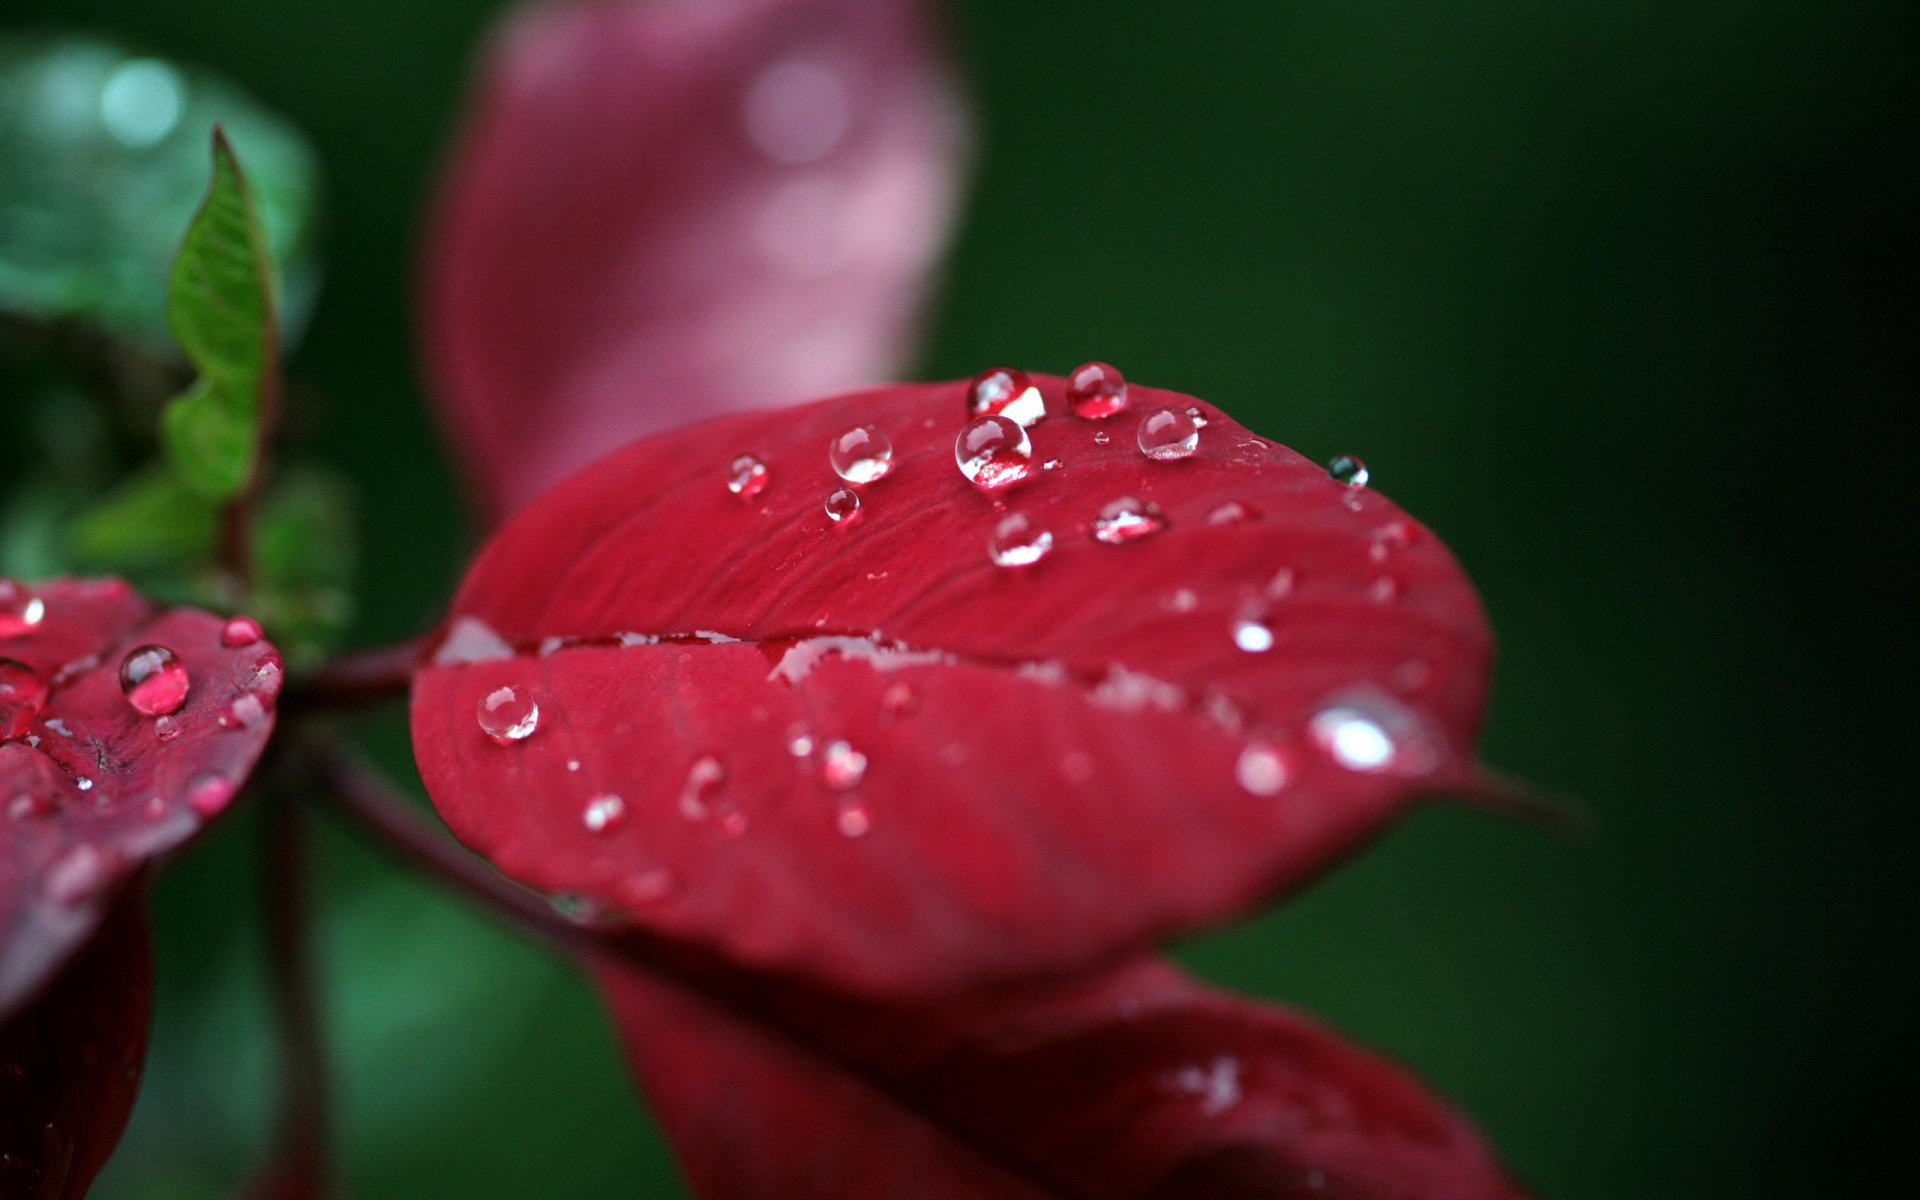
{"type": "Point", "coordinates": [1600, 290]}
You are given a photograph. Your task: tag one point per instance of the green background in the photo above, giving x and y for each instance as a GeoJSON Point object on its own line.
{"type": "Point", "coordinates": [1600, 292]}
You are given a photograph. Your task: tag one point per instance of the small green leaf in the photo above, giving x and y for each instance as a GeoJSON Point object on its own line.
{"type": "Point", "coordinates": [220, 304]}
{"type": "Point", "coordinates": [304, 552]}
{"type": "Point", "coordinates": [102, 161]}
{"type": "Point", "coordinates": [151, 520]}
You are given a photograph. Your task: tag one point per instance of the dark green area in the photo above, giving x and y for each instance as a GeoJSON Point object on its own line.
{"type": "Point", "coordinates": [1602, 292]}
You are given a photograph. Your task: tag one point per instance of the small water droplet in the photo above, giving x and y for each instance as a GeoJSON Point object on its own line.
{"type": "Point", "coordinates": [20, 610]}
{"type": "Point", "coordinates": [730, 820]}
{"type": "Point", "coordinates": [154, 680]}
{"type": "Point", "coordinates": [1383, 590]}
{"type": "Point", "coordinates": [747, 477]}
{"type": "Point", "coordinates": [648, 886]}
{"type": "Point", "coordinates": [1348, 470]}
{"type": "Point", "coordinates": [1127, 520]}
{"type": "Point", "coordinates": [1231, 512]}
{"type": "Point", "coordinates": [861, 455]}
{"type": "Point", "coordinates": [1261, 769]}
{"type": "Point", "coordinates": [853, 819]}
{"type": "Point", "coordinates": [603, 814]}
{"type": "Point", "coordinates": [84, 783]}
{"type": "Point", "coordinates": [1180, 600]}
{"type": "Point", "coordinates": [993, 452]}
{"type": "Point", "coordinates": [1100, 437]}
{"type": "Point", "coordinates": [28, 804]}
{"type": "Point", "coordinates": [240, 631]}
{"type": "Point", "coordinates": [1018, 542]}
{"type": "Point", "coordinates": [1253, 635]}
{"type": "Point", "coordinates": [841, 766]}
{"type": "Point", "coordinates": [581, 910]}
{"type": "Point", "coordinates": [843, 504]}
{"type": "Point", "coordinates": [1052, 464]}
{"type": "Point", "coordinates": [1168, 435]}
{"type": "Point", "coordinates": [1096, 391]}
{"type": "Point", "coordinates": [1006, 392]}
{"type": "Point", "coordinates": [1370, 731]}
{"type": "Point", "coordinates": [799, 742]}
{"type": "Point", "coordinates": [248, 712]}
{"type": "Point", "coordinates": [209, 794]}
{"type": "Point", "coordinates": [508, 715]}
{"type": "Point", "coordinates": [899, 700]}
{"type": "Point", "coordinates": [704, 778]}
{"type": "Point", "coordinates": [23, 694]}
{"type": "Point", "coordinates": [78, 875]}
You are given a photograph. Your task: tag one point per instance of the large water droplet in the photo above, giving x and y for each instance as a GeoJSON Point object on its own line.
{"type": "Point", "coordinates": [154, 680]}
{"type": "Point", "coordinates": [1348, 470]}
{"type": "Point", "coordinates": [1006, 392]}
{"type": "Point", "coordinates": [508, 715]}
{"type": "Point", "coordinates": [861, 455]}
{"type": "Point", "coordinates": [22, 695]}
{"type": "Point", "coordinates": [240, 631]}
{"type": "Point", "coordinates": [747, 477]}
{"type": "Point", "coordinates": [20, 611]}
{"type": "Point", "coordinates": [993, 452]}
{"type": "Point", "coordinates": [1168, 435]}
{"type": "Point", "coordinates": [1261, 769]}
{"type": "Point", "coordinates": [841, 766]}
{"type": "Point", "coordinates": [1253, 635]}
{"type": "Point", "coordinates": [843, 504]}
{"type": "Point", "coordinates": [1018, 542]}
{"type": "Point", "coordinates": [1127, 520]}
{"type": "Point", "coordinates": [1096, 391]}
{"type": "Point", "coordinates": [603, 814]}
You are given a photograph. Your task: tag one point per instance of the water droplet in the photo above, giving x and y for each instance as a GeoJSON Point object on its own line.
{"type": "Point", "coordinates": [1370, 731]}
{"type": "Point", "coordinates": [841, 766]}
{"type": "Point", "coordinates": [27, 804]}
{"type": "Point", "coordinates": [1127, 520]}
{"type": "Point", "coordinates": [861, 455]}
{"type": "Point", "coordinates": [22, 695]}
{"type": "Point", "coordinates": [1348, 470]}
{"type": "Point", "coordinates": [1096, 391]}
{"type": "Point", "coordinates": [508, 715]}
{"type": "Point", "coordinates": [1261, 769]}
{"type": "Point", "coordinates": [78, 875]}
{"type": "Point", "coordinates": [154, 680]}
{"type": "Point", "coordinates": [747, 477]}
{"type": "Point", "coordinates": [1383, 590]}
{"type": "Point", "coordinates": [1253, 635]}
{"type": "Point", "coordinates": [1282, 583]}
{"type": "Point", "coordinates": [993, 452]}
{"type": "Point", "coordinates": [20, 611]}
{"type": "Point", "coordinates": [581, 910]}
{"type": "Point", "coordinates": [648, 886]}
{"type": "Point", "coordinates": [843, 504]}
{"type": "Point", "coordinates": [83, 783]}
{"type": "Point", "coordinates": [1006, 392]}
{"type": "Point", "coordinates": [1168, 435]}
{"type": "Point", "coordinates": [899, 700]}
{"type": "Point", "coordinates": [1231, 512]}
{"type": "Point", "coordinates": [209, 794]}
{"type": "Point", "coordinates": [1394, 535]}
{"type": "Point", "coordinates": [604, 814]}
{"type": "Point", "coordinates": [1052, 464]}
{"type": "Point", "coordinates": [240, 631]}
{"type": "Point", "coordinates": [704, 778]}
{"type": "Point", "coordinates": [248, 712]}
{"type": "Point", "coordinates": [1018, 542]}
{"type": "Point", "coordinates": [853, 819]}
{"type": "Point", "coordinates": [1100, 437]}
{"type": "Point", "coordinates": [1180, 600]}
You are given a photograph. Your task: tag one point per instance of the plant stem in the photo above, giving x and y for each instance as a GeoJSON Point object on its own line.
{"type": "Point", "coordinates": [297, 1168]}
{"type": "Point", "coordinates": [364, 677]}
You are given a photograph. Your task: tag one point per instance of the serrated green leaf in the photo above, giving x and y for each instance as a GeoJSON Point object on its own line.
{"type": "Point", "coordinates": [104, 155]}
{"type": "Point", "coordinates": [220, 305]}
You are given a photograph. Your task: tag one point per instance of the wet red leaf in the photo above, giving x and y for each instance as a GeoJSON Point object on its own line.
{"type": "Point", "coordinates": [70, 1063]}
{"type": "Point", "coordinates": [91, 788]}
{"type": "Point", "coordinates": [662, 210]}
{"type": "Point", "coordinates": [1134, 1082]}
{"type": "Point", "coordinates": [915, 769]}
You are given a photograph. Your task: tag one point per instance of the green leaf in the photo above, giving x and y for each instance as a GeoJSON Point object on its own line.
{"type": "Point", "coordinates": [304, 552]}
{"type": "Point", "coordinates": [104, 155]}
{"type": "Point", "coordinates": [220, 304]}
{"type": "Point", "coordinates": [150, 520]}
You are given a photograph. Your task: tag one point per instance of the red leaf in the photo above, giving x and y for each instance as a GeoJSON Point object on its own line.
{"type": "Point", "coordinates": [92, 788]}
{"type": "Point", "coordinates": [667, 210]}
{"type": "Point", "coordinates": [70, 1063]}
{"type": "Point", "coordinates": [1132, 1083]}
{"type": "Point", "coordinates": [1055, 762]}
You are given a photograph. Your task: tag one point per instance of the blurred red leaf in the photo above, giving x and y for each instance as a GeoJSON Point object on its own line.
{"type": "Point", "coordinates": [1134, 1082]}
{"type": "Point", "coordinates": [916, 770]}
{"type": "Point", "coordinates": [664, 210]}
{"type": "Point", "coordinates": [70, 1063]}
{"type": "Point", "coordinates": [93, 789]}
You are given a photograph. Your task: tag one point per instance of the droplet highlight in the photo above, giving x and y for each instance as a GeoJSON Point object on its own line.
{"type": "Point", "coordinates": [20, 610]}
{"type": "Point", "coordinates": [1006, 392]}
{"type": "Point", "coordinates": [1168, 435]}
{"type": "Point", "coordinates": [240, 632]}
{"type": "Point", "coordinates": [841, 766]}
{"type": "Point", "coordinates": [154, 680]}
{"type": "Point", "coordinates": [1253, 635]}
{"type": "Point", "coordinates": [604, 814]}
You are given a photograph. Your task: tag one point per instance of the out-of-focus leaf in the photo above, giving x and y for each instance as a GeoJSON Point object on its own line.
{"type": "Point", "coordinates": [304, 552]}
{"type": "Point", "coordinates": [150, 520]}
{"type": "Point", "coordinates": [104, 155]}
{"type": "Point", "coordinates": [220, 304]}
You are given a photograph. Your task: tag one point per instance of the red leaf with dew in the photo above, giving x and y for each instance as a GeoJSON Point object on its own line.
{"type": "Point", "coordinates": [865, 752]}
{"type": "Point", "coordinates": [665, 210]}
{"type": "Point", "coordinates": [1134, 1082]}
{"type": "Point", "coordinates": [70, 1062]}
{"type": "Point", "coordinates": [92, 788]}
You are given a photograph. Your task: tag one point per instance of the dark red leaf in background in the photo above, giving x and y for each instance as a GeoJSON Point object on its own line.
{"type": "Point", "coordinates": [1134, 1082]}
{"type": "Point", "coordinates": [662, 210]}
{"type": "Point", "coordinates": [916, 769]}
{"type": "Point", "coordinates": [91, 788]}
{"type": "Point", "coordinates": [70, 1063]}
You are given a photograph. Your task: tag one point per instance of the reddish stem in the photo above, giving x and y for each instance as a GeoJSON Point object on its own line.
{"type": "Point", "coordinates": [367, 676]}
